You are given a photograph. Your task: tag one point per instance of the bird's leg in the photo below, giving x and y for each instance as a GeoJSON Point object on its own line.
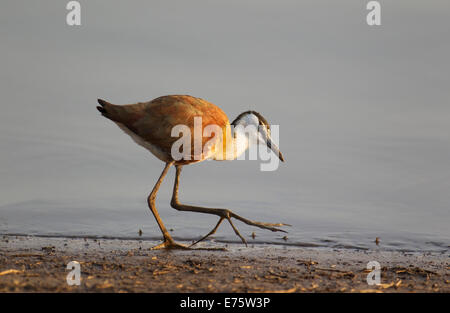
{"type": "Point", "coordinates": [222, 213]}
{"type": "Point", "coordinates": [168, 240]}
{"type": "Point", "coordinates": [213, 231]}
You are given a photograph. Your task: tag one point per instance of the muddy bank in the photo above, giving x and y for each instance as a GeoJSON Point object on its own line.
{"type": "Point", "coordinates": [36, 264]}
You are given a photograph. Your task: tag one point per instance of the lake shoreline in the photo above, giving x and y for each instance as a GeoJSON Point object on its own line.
{"type": "Point", "coordinates": [38, 264]}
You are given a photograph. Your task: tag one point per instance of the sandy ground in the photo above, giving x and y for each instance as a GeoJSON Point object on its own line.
{"type": "Point", "coordinates": [37, 264]}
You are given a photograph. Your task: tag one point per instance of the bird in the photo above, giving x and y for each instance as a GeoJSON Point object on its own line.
{"type": "Point", "coordinates": [151, 125]}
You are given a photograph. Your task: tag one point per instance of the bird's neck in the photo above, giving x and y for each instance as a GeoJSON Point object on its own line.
{"type": "Point", "coordinates": [240, 142]}
{"type": "Point", "coordinates": [235, 143]}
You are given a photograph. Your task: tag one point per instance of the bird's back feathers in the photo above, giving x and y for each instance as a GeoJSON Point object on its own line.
{"type": "Point", "coordinates": [153, 121]}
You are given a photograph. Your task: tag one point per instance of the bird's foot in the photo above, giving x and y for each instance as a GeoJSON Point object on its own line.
{"type": "Point", "coordinates": [170, 244]}
{"type": "Point", "coordinates": [227, 214]}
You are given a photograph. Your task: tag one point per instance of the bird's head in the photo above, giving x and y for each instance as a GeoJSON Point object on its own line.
{"type": "Point", "coordinates": [258, 122]}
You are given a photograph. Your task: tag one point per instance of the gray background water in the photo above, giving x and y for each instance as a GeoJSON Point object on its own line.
{"type": "Point", "coordinates": [363, 114]}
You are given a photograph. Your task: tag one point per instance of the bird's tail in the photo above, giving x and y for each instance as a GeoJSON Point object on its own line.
{"type": "Point", "coordinates": [118, 113]}
{"type": "Point", "coordinates": [104, 104]}
{"type": "Point", "coordinates": [107, 109]}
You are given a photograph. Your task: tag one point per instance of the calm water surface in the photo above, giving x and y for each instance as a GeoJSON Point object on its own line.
{"type": "Point", "coordinates": [363, 115]}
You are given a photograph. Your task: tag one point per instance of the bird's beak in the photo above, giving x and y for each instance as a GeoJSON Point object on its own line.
{"type": "Point", "coordinates": [264, 136]}
{"type": "Point", "coordinates": [274, 148]}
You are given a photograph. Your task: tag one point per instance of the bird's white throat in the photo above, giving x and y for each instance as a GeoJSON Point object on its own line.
{"type": "Point", "coordinates": [241, 141]}
{"type": "Point", "coordinates": [242, 135]}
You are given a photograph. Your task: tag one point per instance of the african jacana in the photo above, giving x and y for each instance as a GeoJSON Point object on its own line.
{"type": "Point", "coordinates": [150, 125]}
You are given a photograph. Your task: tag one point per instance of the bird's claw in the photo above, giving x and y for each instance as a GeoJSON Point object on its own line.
{"type": "Point", "coordinates": [227, 214]}
{"type": "Point", "coordinates": [169, 244]}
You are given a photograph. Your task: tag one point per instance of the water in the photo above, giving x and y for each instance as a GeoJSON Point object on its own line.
{"type": "Point", "coordinates": [363, 117]}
